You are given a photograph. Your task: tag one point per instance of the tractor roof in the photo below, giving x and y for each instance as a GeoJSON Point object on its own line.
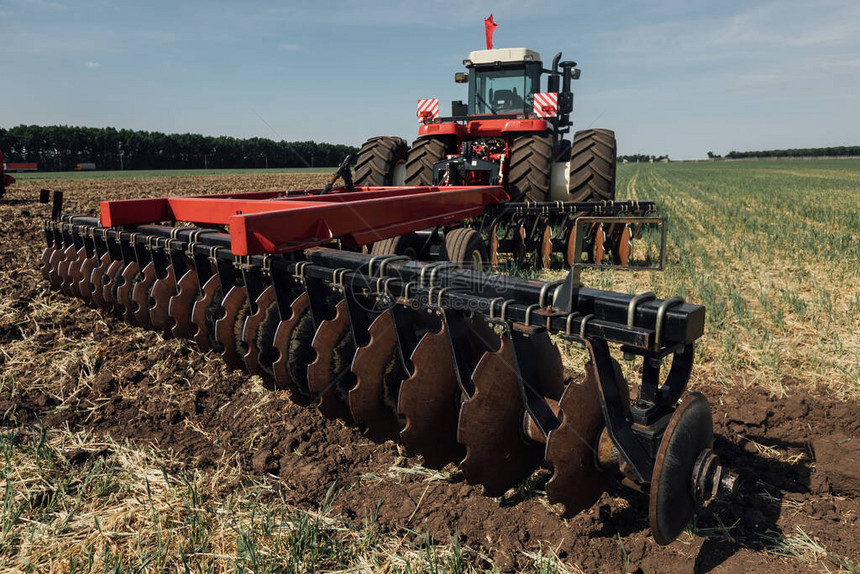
{"type": "Point", "coordinates": [503, 55]}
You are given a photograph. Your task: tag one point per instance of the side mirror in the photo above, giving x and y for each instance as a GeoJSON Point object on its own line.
{"type": "Point", "coordinates": [461, 77]}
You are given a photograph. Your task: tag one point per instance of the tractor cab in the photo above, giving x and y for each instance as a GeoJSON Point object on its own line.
{"type": "Point", "coordinates": [502, 81]}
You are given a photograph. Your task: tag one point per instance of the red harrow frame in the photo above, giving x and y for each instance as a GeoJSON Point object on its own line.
{"type": "Point", "coordinates": [459, 365]}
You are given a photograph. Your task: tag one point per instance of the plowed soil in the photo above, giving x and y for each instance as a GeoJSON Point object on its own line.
{"type": "Point", "coordinates": [67, 364]}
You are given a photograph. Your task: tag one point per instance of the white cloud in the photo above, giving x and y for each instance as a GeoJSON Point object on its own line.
{"type": "Point", "coordinates": [290, 47]}
{"type": "Point", "coordinates": [92, 64]}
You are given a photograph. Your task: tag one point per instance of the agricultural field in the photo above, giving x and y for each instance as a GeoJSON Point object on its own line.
{"type": "Point", "coordinates": [124, 451]}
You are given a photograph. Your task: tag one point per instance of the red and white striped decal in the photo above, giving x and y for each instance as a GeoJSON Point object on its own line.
{"type": "Point", "coordinates": [546, 104]}
{"type": "Point", "coordinates": [428, 109]}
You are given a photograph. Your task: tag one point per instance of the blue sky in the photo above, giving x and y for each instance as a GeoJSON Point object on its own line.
{"type": "Point", "coordinates": [677, 78]}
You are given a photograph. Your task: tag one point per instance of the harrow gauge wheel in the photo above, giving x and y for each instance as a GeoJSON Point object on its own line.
{"type": "Point", "coordinates": [429, 401]}
{"type": "Point", "coordinates": [407, 244]}
{"type": "Point", "coordinates": [465, 247]}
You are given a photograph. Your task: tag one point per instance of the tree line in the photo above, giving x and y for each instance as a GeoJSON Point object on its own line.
{"type": "Point", "coordinates": [61, 148]}
{"type": "Point", "coordinates": [642, 158]}
{"type": "Point", "coordinates": [840, 151]}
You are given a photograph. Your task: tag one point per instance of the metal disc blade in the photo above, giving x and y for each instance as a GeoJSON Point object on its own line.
{"type": "Point", "coordinates": [181, 305]}
{"type": "Point", "coordinates": [45, 263]}
{"type": "Point", "coordinates": [598, 249]}
{"type": "Point", "coordinates": [75, 272]}
{"type": "Point", "coordinates": [569, 233]}
{"type": "Point", "coordinates": [97, 281]}
{"type": "Point", "coordinates": [489, 426]}
{"type": "Point", "coordinates": [623, 246]}
{"type": "Point", "coordinates": [690, 430]}
{"type": "Point", "coordinates": [544, 251]}
{"type": "Point", "coordinates": [429, 401]}
{"type": "Point", "coordinates": [206, 310]}
{"type": "Point", "coordinates": [111, 280]}
{"type": "Point", "coordinates": [228, 329]}
{"type": "Point", "coordinates": [293, 342]}
{"type": "Point", "coordinates": [85, 285]}
{"type": "Point", "coordinates": [69, 255]}
{"type": "Point", "coordinates": [258, 335]}
{"type": "Point", "coordinates": [576, 481]}
{"type": "Point", "coordinates": [329, 376]}
{"type": "Point", "coordinates": [378, 375]}
{"type": "Point", "coordinates": [159, 311]}
{"type": "Point", "coordinates": [57, 257]}
{"type": "Point", "coordinates": [129, 277]}
{"type": "Point", "coordinates": [550, 371]}
{"type": "Point", "coordinates": [493, 245]}
{"type": "Point", "coordinates": [140, 295]}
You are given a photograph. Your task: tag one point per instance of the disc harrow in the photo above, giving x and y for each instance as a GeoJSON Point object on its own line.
{"type": "Point", "coordinates": [460, 365]}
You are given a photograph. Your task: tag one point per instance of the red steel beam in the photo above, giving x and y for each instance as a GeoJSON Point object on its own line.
{"type": "Point", "coordinates": [265, 222]}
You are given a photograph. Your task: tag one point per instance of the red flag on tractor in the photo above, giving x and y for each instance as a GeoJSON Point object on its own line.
{"type": "Point", "coordinates": [489, 28]}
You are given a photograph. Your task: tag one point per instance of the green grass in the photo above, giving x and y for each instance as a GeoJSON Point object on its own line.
{"type": "Point", "coordinates": [771, 250]}
{"type": "Point", "coordinates": [148, 173]}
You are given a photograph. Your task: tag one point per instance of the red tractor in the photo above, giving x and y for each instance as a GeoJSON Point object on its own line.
{"type": "Point", "coordinates": [511, 132]}
{"type": "Point", "coordinates": [5, 180]}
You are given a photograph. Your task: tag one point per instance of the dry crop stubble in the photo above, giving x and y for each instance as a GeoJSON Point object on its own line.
{"type": "Point", "coordinates": [205, 439]}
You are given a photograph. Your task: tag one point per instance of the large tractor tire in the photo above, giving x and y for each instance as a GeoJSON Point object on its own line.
{"type": "Point", "coordinates": [408, 245]}
{"type": "Point", "coordinates": [466, 248]}
{"type": "Point", "coordinates": [530, 167]}
{"type": "Point", "coordinates": [424, 154]}
{"type": "Point", "coordinates": [377, 160]}
{"type": "Point", "coordinates": [592, 166]}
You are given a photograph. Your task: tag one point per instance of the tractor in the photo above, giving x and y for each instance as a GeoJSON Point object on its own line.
{"type": "Point", "coordinates": [510, 133]}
